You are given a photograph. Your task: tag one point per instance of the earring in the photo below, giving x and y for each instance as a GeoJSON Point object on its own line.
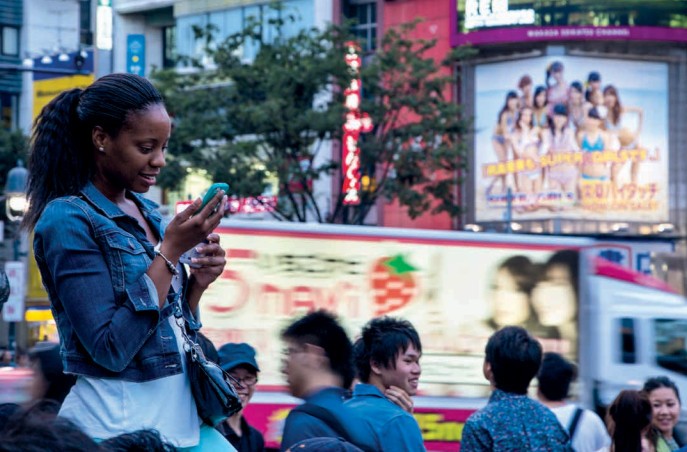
{"type": "Point", "coordinates": [101, 149]}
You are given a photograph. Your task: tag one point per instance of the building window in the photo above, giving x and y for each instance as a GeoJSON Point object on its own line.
{"type": "Point", "coordinates": [85, 29]}
{"type": "Point", "coordinates": [10, 41]}
{"type": "Point", "coordinates": [169, 57]}
{"type": "Point", "coordinates": [628, 348]}
{"type": "Point", "coordinates": [671, 344]}
{"type": "Point", "coordinates": [364, 13]}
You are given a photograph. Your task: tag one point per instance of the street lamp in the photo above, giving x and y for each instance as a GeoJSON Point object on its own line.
{"type": "Point", "coordinates": [15, 192]}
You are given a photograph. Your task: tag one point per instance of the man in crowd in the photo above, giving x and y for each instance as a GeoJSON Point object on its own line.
{"type": "Point", "coordinates": [511, 420]}
{"type": "Point", "coordinates": [239, 362]}
{"type": "Point", "coordinates": [387, 359]}
{"type": "Point", "coordinates": [318, 367]}
{"type": "Point", "coordinates": [587, 431]}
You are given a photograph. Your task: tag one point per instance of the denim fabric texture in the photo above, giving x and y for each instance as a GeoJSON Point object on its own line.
{"type": "Point", "coordinates": [93, 260]}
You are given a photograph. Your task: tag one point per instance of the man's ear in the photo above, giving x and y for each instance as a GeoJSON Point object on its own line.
{"type": "Point", "coordinates": [376, 368]}
{"type": "Point", "coordinates": [316, 355]}
{"type": "Point", "coordinates": [486, 370]}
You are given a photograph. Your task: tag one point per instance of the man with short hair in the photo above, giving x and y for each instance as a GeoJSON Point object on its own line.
{"type": "Point", "coordinates": [387, 358]}
{"type": "Point", "coordinates": [238, 360]}
{"type": "Point", "coordinates": [586, 429]}
{"type": "Point", "coordinates": [511, 420]}
{"type": "Point", "coordinates": [318, 368]}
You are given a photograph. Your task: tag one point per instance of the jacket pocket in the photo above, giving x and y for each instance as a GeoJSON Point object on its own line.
{"type": "Point", "coordinates": [128, 260]}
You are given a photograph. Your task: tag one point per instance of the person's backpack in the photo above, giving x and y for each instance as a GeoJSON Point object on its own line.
{"type": "Point", "coordinates": [572, 426]}
{"type": "Point", "coordinates": [328, 418]}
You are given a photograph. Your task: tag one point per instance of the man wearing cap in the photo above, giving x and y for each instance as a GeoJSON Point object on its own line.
{"type": "Point", "coordinates": [239, 362]}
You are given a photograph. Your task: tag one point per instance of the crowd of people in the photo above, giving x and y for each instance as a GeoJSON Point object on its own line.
{"type": "Point", "coordinates": [124, 306]}
{"type": "Point", "coordinates": [558, 119]}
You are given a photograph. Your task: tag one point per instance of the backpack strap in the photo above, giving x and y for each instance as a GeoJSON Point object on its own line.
{"type": "Point", "coordinates": [572, 427]}
{"type": "Point", "coordinates": [327, 417]}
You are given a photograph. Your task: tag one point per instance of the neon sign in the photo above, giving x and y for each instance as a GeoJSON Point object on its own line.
{"type": "Point", "coordinates": [356, 123]}
{"type": "Point", "coordinates": [495, 13]}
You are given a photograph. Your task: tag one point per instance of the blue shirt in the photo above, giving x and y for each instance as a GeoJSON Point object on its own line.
{"type": "Point", "coordinates": [513, 422]}
{"type": "Point", "coordinates": [93, 260]}
{"type": "Point", "coordinates": [299, 426]}
{"type": "Point", "coordinates": [396, 429]}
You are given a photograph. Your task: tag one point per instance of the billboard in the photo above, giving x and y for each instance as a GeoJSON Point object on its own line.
{"type": "Point", "coordinates": [604, 158]}
{"type": "Point", "coordinates": [501, 21]}
{"type": "Point", "coordinates": [456, 293]}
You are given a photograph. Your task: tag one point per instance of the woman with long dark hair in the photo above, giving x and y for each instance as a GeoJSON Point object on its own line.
{"type": "Point", "coordinates": [111, 267]}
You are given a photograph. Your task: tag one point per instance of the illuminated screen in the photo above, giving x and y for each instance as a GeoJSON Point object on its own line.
{"type": "Point", "coordinates": [608, 156]}
{"type": "Point", "coordinates": [493, 21]}
{"type": "Point", "coordinates": [655, 13]}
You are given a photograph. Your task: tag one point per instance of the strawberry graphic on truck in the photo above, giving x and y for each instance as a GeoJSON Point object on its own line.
{"type": "Point", "coordinates": [393, 283]}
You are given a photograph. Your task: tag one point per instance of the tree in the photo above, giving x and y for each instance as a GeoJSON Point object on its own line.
{"type": "Point", "coordinates": [270, 119]}
{"type": "Point", "coordinates": [14, 146]}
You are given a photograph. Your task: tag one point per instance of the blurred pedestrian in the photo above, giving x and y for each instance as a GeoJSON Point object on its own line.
{"type": "Point", "coordinates": [586, 429]}
{"type": "Point", "coordinates": [387, 359]}
{"type": "Point", "coordinates": [629, 419]}
{"type": "Point", "coordinates": [317, 364]}
{"type": "Point", "coordinates": [511, 420]}
{"type": "Point", "coordinates": [664, 397]}
{"type": "Point", "coordinates": [110, 266]}
{"type": "Point", "coordinates": [49, 381]}
{"type": "Point", "coordinates": [239, 361]}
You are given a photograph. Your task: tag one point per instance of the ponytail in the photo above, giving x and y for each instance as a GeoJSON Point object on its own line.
{"type": "Point", "coordinates": [60, 160]}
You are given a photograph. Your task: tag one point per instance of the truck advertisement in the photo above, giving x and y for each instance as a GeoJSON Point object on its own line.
{"type": "Point", "coordinates": [456, 289]}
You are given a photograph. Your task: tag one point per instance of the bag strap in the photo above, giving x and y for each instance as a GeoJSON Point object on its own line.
{"type": "Point", "coordinates": [572, 427]}
{"type": "Point", "coordinates": [325, 415]}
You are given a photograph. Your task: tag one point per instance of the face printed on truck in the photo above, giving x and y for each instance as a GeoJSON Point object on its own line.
{"type": "Point", "coordinates": [511, 305]}
{"type": "Point", "coordinates": [554, 297]}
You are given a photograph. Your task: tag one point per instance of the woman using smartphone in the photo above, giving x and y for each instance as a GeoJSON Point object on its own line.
{"type": "Point", "coordinates": [110, 265]}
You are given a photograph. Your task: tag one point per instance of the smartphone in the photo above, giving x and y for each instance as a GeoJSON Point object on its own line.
{"type": "Point", "coordinates": [212, 191]}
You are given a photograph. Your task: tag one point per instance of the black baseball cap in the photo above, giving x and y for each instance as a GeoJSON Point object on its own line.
{"type": "Point", "coordinates": [232, 355]}
{"type": "Point", "coordinates": [594, 77]}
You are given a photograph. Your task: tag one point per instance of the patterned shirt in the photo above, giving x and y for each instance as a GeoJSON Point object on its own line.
{"type": "Point", "coordinates": [513, 422]}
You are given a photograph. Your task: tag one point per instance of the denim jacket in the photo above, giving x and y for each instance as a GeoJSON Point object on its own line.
{"type": "Point", "coordinates": [93, 260]}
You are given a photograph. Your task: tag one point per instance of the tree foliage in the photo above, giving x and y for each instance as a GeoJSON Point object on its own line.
{"type": "Point", "coordinates": [272, 118]}
{"type": "Point", "coordinates": [13, 147]}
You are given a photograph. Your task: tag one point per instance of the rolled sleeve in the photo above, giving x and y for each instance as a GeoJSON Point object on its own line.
{"type": "Point", "coordinates": [111, 328]}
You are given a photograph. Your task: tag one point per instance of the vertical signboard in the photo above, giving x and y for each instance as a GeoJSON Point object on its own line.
{"type": "Point", "coordinates": [13, 310]}
{"type": "Point", "coordinates": [136, 54]}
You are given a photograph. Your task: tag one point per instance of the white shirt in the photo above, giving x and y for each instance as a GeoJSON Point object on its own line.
{"type": "Point", "coordinates": [590, 434]}
{"type": "Point", "coordinates": [105, 407]}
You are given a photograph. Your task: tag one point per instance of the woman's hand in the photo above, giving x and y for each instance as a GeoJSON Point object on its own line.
{"type": "Point", "coordinates": [211, 262]}
{"type": "Point", "coordinates": [186, 230]}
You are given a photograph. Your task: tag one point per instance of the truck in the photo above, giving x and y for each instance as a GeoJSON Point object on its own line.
{"type": "Point", "coordinates": [618, 323]}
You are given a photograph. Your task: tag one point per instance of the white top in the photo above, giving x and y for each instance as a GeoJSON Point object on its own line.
{"type": "Point", "coordinates": [105, 407]}
{"type": "Point", "coordinates": [590, 435]}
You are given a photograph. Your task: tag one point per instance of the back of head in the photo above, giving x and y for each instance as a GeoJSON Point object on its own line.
{"type": "Point", "coordinates": [37, 428]}
{"type": "Point", "coordinates": [324, 445]}
{"type": "Point", "coordinates": [209, 349]}
{"type": "Point", "coordinates": [62, 149]}
{"type": "Point", "coordinates": [381, 341]}
{"type": "Point", "coordinates": [630, 415]}
{"type": "Point", "coordinates": [138, 441]}
{"type": "Point", "coordinates": [555, 376]}
{"type": "Point", "coordinates": [47, 355]}
{"type": "Point", "coordinates": [322, 329]}
{"type": "Point", "coordinates": [514, 357]}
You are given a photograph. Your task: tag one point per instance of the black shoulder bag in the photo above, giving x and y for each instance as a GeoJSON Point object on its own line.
{"type": "Point", "coordinates": [212, 388]}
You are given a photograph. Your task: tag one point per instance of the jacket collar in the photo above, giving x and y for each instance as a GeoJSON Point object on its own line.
{"type": "Point", "coordinates": [110, 209]}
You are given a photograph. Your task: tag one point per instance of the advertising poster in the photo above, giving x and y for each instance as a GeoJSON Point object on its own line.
{"type": "Point", "coordinates": [455, 293]}
{"type": "Point", "coordinates": [571, 137]}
